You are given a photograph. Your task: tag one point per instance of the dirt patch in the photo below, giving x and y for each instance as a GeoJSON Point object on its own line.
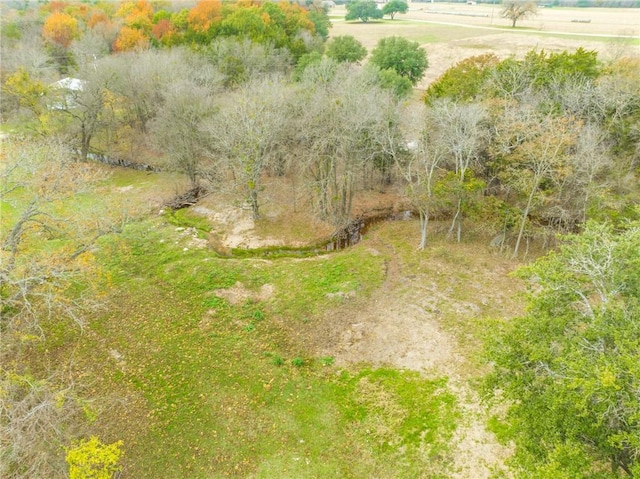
{"type": "Point", "coordinates": [239, 294]}
{"type": "Point", "coordinates": [287, 216]}
{"type": "Point", "coordinates": [235, 226]}
{"type": "Point", "coordinates": [412, 323]}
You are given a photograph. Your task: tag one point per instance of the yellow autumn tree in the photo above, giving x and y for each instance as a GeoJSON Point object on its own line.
{"type": "Point", "coordinates": [136, 14]}
{"type": "Point", "coordinates": [135, 8]}
{"type": "Point", "coordinates": [92, 459]}
{"type": "Point", "coordinates": [60, 29]}
{"type": "Point", "coordinates": [130, 39]}
{"type": "Point", "coordinates": [204, 14]}
{"type": "Point", "coordinates": [25, 89]}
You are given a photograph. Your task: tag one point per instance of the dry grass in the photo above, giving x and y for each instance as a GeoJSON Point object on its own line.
{"type": "Point", "coordinates": [449, 38]}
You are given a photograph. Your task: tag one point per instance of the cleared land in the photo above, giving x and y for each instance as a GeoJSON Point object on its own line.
{"type": "Point", "coordinates": [451, 32]}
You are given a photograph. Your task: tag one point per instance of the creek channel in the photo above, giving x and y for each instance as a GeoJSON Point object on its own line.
{"type": "Point", "coordinates": [355, 230]}
{"type": "Point", "coordinates": [344, 237]}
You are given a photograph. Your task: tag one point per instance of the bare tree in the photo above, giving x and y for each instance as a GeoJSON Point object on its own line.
{"type": "Point", "coordinates": [179, 128]}
{"type": "Point", "coordinates": [347, 125]}
{"type": "Point", "coordinates": [248, 131]}
{"type": "Point", "coordinates": [38, 418]}
{"type": "Point", "coordinates": [140, 80]}
{"type": "Point", "coordinates": [516, 10]}
{"type": "Point", "coordinates": [27, 51]}
{"type": "Point", "coordinates": [39, 180]}
{"type": "Point", "coordinates": [46, 177]}
{"type": "Point", "coordinates": [385, 132]}
{"type": "Point", "coordinates": [82, 100]}
{"type": "Point", "coordinates": [466, 132]}
{"type": "Point", "coordinates": [316, 142]}
{"type": "Point", "coordinates": [91, 47]}
{"type": "Point", "coordinates": [423, 163]}
{"type": "Point", "coordinates": [590, 159]}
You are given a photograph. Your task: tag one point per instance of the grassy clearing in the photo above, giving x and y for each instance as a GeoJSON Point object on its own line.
{"type": "Point", "coordinates": [427, 32]}
{"type": "Point", "coordinates": [221, 405]}
{"type": "Point", "coordinates": [210, 387]}
{"type": "Point", "coordinates": [202, 375]}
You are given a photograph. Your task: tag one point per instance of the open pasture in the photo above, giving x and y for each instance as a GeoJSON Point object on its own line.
{"type": "Point", "coordinates": [451, 32]}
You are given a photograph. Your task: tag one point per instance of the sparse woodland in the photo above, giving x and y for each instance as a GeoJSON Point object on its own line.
{"type": "Point", "coordinates": [534, 155]}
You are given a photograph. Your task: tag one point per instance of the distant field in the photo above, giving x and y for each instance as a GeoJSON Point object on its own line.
{"type": "Point", "coordinates": [601, 21]}
{"type": "Point", "coordinates": [452, 32]}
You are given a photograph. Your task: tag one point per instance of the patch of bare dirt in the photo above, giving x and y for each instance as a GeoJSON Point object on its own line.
{"type": "Point", "coordinates": [236, 227]}
{"type": "Point", "coordinates": [239, 294]}
{"type": "Point", "coordinates": [286, 218]}
{"type": "Point", "coordinates": [405, 325]}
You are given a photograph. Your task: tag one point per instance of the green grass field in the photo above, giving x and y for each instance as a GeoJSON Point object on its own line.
{"type": "Point", "coordinates": [222, 391]}
{"type": "Point", "coordinates": [202, 386]}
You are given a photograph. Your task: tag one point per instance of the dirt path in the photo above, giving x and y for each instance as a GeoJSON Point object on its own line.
{"type": "Point", "coordinates": [402, 327]}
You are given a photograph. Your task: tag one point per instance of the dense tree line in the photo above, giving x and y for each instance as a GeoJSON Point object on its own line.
{"type": "Point", "coordinates": [74, 33]}
{"type": "Point", "coordinates": [533, 146]}
{"type": "Point", "coordinates": [495, 117]}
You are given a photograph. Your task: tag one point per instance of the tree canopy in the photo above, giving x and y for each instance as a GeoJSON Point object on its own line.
{"type": "Point", "coordinates": [464, 80]}
{"type": "Point", "coordinates": [404, 56]}
{"type": "Point", "coordinates": [60, 29]}
{"type": "Point", "coordinates": [346, 48]}
{"type": "Point", "coordinates": [571, 365]}
{"type": "Point", "coordinates": [363, 10]}
{"type": "Point", "coordinates": [395, 6]}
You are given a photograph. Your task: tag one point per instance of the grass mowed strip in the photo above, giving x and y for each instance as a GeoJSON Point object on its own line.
{"type": "Point", "coordinates": [421, 32]}
{"type": "Point", "coordinates": [225, 392]}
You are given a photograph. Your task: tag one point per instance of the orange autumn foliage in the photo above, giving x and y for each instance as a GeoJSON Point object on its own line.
{"type": "Point", "coordinates": [98, 17]}
{"type": "Point", "coordinates": [56, 6]}
{"type": "Point", "coordinates": [141, 7]}
{"type": "Point", "coordinates": [137, 14]}
{"type": "Point", "coordinates": [163, 31]}
{"type": "Point", "coordinates": [60, 29]}
{"type": "Point", "coordinates": [130, 39]}
{"type": "Point", "coordinates": [204, 14]}
{"type": "Point", "coordinates": [295, 17]}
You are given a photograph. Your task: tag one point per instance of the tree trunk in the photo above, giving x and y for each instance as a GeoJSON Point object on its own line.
{"type": "Point", "coordinates": [525, 215]}
{"type": "Point", "coordinates": [455, 221]}
{"type": "Point", "coordinates": [85, 141]}
{"type": "Point", "coordinates": [424, 223]}
{"type": "Point", "coordinates": [253, 201]}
